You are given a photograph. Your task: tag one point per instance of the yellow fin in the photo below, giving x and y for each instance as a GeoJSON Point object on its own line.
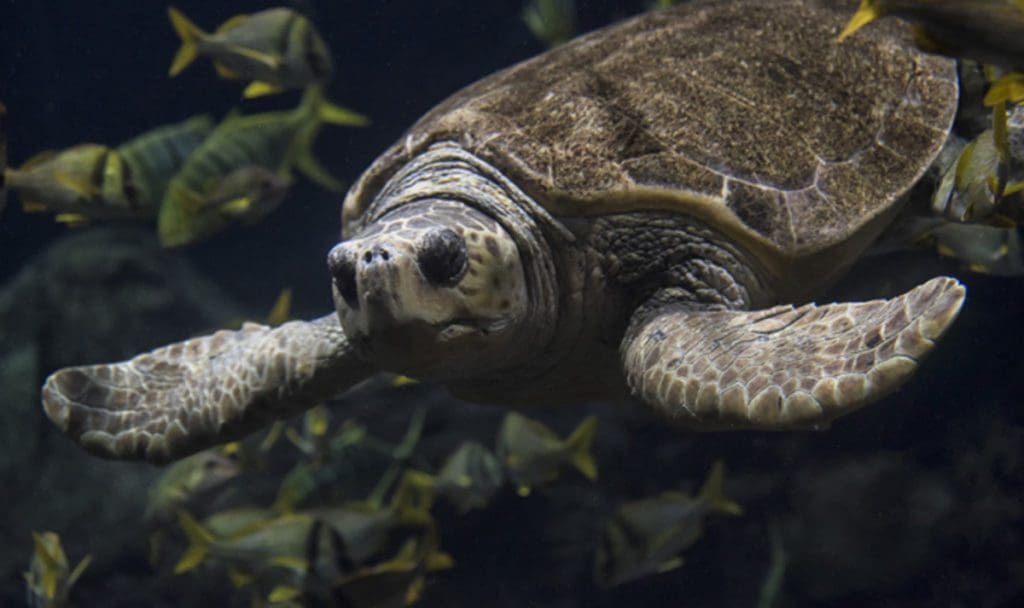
{"type": "Point", "coordinates": [415, 591]}
{"type": "Point", "coordinates": [439, 560]}
{"type": "Point", "coordinates": [318, 419]}
{"type": "Point", "coordinates": [258, 89]}
{"type": "Point", "coordinates": [337, 115]}
{"type": "Point", "coordinates": [963, 164]}
{"type": "Point", "coordinates": [272, 436]}
{"type": "Point", "coordinates": [866, 13]}
{"type": "Point", "coordinates": [199, 541]}
{"type": "Point", "coordinates": [289, 561]}
{"type": "Point", "coordinates": [283, 593]}
{"type": "Point", "coordinates": [266, 59]}
{"type": "Point", "coordinates": [1009, 88]}
{"type": "Point", "coordinates": [400, 380]}
{"type": "Point", "coordinates": [300, 155]}
{"type": "Point", "coordinates": [38, 159]}
{"type": "Point", "coordinates": [280, 312]}
{"type": "Point", "coordinates": [74, 220]}
{"type": "Point", "coordinates": [50, 564]}
{"type": "Point", "coordinates": [190, 36]}
{"type": "Point", "coordinates": [79, 569]}
{"type": "Point", "coordinates": [1013, 188]}
{"type": "Point", "coordinates": [239, 578]}
{"type": "Point", "coordinates": [34, 207]}
{"type": "Point", "coordinates": [232, 23]}
{"type": "Point", "coordinates": [237, 207]}
{"type": "Point", "coordinates": [224, 71]}
{"type": "Point", "coordinates": [669, 565]}
{"type": "Point", "coordinates": [579, 443]}
{"type": "Point", "coordinates": [713, 492]}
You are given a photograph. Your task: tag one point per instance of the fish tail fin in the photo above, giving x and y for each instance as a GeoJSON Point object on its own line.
{"type": "Point", "coordinates": [580, 442]}
{"type": "Point", "coordinates": [315, 104]}
{"type": "Point", "coordinates": [315, 110]}
{"type": "Point", "coordinates": [413, 498]}
{"type": "Point", "coordinates": [712, 492]}
{"type": "Point", "coordinates": [199, 540]}
{"type": "Point", "coordinates": [301, 157]}
{"type": "Point", "coordinates": [190, 36]}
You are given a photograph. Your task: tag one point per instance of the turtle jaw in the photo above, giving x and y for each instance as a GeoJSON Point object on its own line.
{"type": "Point", "coordinates": [433, 290]}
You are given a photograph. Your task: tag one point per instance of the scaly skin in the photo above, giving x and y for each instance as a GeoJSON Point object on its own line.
{"type": "Point", "coordinates": [185, 397]}
{"type": "Point", "coordinates": [784, 367]}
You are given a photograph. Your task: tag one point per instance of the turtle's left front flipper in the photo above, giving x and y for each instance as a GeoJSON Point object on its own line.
{"type": "Point", "coordinates": [188, 396]}
{"type": "Point", "coordinates": [784, 367]}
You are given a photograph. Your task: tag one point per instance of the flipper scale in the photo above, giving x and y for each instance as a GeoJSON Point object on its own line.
{"type": "Point", "coordinates": [182, 398]}
{"type": "Point", "coordinates": [786, 367]}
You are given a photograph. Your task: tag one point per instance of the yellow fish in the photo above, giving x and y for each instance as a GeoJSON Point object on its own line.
{"type": "Point", "coordinates": [188, 479]}
{"type": "Point", "coordinates": [95, 182]}
{"type": "Point", "coordinates": [469, 477]}
{"type": "Point", "coordinates": [87, 181]}
{"type": "Point", "coordinates": [277, 49]}
{"type": "Point", "coordinates": [155, 156]}
{"type": "Point", "coordinates": [533, 454]}
{"type": "Point", "coordinates": [994, 250]}
{"type": "Point", "coordinates": [49, 577]}
{"type": "Point", "coordinates": [275, 141]}
{"type": "Point", "coordinates": [394, 583]}
{"type": "Point", "coordinates": [646, 536]}
{"type": "Point", "coordinates": [981, 181]}
{"type": "Point", "coordinates": [263, 544]}
{"type": "Point", "coordinates": [987, 31]}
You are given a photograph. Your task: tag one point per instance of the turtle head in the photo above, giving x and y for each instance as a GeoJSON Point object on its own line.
{"type": "Point", "coordinates": [433, 289]}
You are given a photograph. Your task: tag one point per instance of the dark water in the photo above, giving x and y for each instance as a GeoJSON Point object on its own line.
{"type": "Point", "coordinates": [916, 501]}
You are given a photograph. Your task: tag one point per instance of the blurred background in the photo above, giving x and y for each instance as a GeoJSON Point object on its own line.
{"type": "Point", "coordinates": [916, 501]}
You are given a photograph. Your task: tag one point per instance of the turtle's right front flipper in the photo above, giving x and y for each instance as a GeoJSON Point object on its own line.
{"type": "Point", "coordinates": [185, 397]}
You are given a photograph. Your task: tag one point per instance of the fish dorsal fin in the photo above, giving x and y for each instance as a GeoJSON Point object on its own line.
{"type": "Point", "coordinates": [231, 24]}
{"type": "Point", "coordinates": [266, 59]}
{"type": "Point", "coordinates": [38, 159]}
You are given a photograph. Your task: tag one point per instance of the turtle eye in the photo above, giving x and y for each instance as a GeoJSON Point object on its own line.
{"type": "Point", "coordinates": [442, 257]}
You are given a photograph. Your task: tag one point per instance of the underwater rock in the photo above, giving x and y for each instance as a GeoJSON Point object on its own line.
{"type": "Point", "coordinates": [101, 293]}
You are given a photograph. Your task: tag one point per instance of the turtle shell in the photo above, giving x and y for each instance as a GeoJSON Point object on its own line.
{"type": "Point", "coordinates": [745, 113]}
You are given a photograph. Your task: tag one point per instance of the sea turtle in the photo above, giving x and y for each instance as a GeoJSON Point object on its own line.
{"type": "Point", "coordinates": [643, 212]}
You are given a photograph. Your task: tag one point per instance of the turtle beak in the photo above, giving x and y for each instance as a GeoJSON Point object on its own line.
{"type": "Point", "coordinates": [365, 279]}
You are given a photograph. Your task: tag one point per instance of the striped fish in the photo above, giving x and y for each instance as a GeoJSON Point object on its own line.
{"type": "Point", "coordinates": [276, 141]}
{"type": "Point", "coordinates": [155, 156]}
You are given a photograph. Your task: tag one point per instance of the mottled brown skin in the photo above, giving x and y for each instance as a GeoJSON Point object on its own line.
{"type": "Point", "coordinates": [639, 202]}
{"type": "Point", "coordinates": [745, 114]}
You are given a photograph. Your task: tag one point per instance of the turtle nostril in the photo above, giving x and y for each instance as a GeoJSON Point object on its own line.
{"type": "Point", "coordinates": [343, 270]}
{"type": "Point", "coordinates": [442, 257]}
